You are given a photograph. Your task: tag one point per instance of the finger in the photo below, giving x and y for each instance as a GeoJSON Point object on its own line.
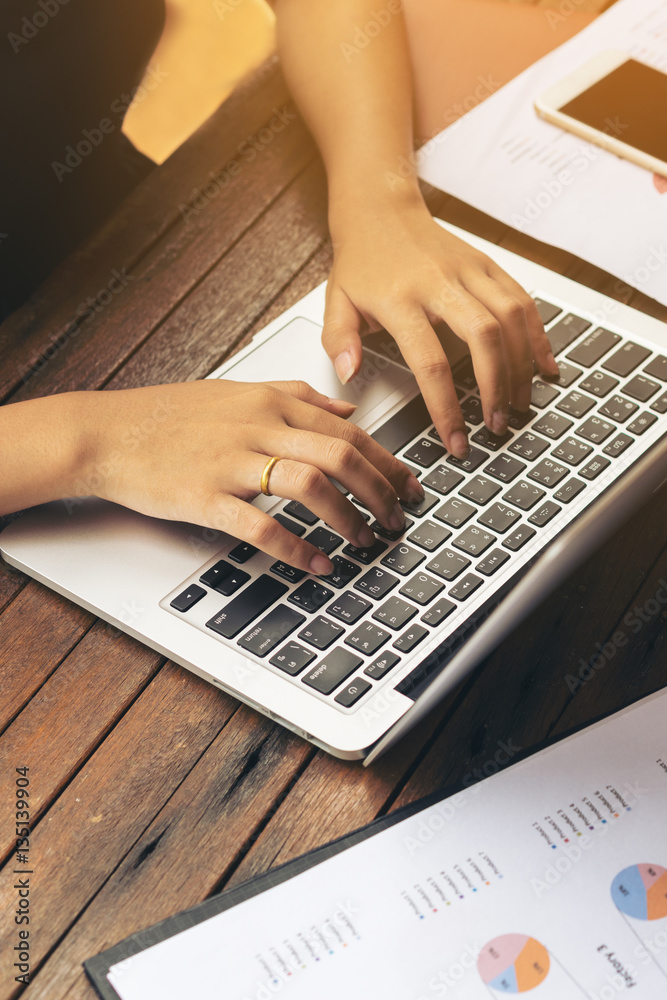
{"type": "Point", "coordinates": [540, 344]}
{"type": "Point", "coordinates": [305, 392]}
{"type": "Point", "coordinates": [310, 486]}
{"type": "Point", "coordinates": [241, 519]}
{"type": "Point", "coordinates": [426, 358]}
{"type": "Point", "coordinates": [341, 337]}
{"type": "Point", "coordinates": [401, 478]}
{"type": "Point", "coordinates": [472, 322]}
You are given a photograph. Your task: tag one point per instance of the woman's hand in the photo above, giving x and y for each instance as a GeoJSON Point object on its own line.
{"type": "Point", "coordinates": [395, 267]}
{"type": "Point", "coordinates": [196, 452]}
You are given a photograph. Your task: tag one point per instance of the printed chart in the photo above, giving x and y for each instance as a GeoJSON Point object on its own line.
{"type": "Point", "coordinates": [513, 963]}
{"type": "Point", "coordinates": [639, 892]}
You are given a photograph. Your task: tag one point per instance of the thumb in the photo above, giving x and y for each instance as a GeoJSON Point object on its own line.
{"type": "Point", "coordinates": [340, 335]}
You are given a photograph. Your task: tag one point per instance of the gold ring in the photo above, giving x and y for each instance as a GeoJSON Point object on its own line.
{"type": "Point", "coordinates": [264, 482]}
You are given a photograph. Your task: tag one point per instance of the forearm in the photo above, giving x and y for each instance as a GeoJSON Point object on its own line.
{"type": "Point", "coordinates": [355, 97]}
{"type": "Point", "coordinates": [42, 449]}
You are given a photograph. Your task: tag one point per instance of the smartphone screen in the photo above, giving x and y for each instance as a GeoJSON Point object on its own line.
{"type": "Point", "coordinates": [629, 104]}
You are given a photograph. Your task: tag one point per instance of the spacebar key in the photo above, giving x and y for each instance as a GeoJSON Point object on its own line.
{"type": "Point", "coordinates": [240, 612]}
{"type": "Point", "coordinates": [403, 426]}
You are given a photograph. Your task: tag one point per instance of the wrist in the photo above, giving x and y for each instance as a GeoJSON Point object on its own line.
{"type": "Point", "coordinates": [376, 203]}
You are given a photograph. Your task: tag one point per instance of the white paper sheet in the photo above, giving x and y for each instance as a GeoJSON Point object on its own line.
{"type": "Point", "coordinates": [503, 159]}
{"type": "Point", "coordinates": [548, 879]}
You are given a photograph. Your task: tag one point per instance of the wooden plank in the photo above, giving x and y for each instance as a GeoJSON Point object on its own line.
{"type": "Point", "coordinates": [39, 628]}
{"type": "Point", "coordinates": [109, 804]}
{"type": "Point", "coordinates": [106, 670]}
{"type": "Point", "coordinates": [180, 858]}
{"type": "Point", "coordinates": [12, 581]}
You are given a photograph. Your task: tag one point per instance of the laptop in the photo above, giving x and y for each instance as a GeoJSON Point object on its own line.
{"type": "Point", "coordinates": [351, 661]}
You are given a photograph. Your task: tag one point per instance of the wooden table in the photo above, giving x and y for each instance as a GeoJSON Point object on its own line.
{"type": "Point", "coordinates": [151, 789]}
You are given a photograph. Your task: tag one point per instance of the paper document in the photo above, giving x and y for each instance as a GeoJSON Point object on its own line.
{"type": "Point", "coordinates": [548, 879]}
{"type": "Point", "coordinates": [503, 159]}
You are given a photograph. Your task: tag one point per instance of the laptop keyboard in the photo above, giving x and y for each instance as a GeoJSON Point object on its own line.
{"type": "Point", "coordinates": [343, 635]}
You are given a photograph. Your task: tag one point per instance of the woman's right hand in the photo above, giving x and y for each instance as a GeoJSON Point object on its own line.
{"type": "Point", "coordinates": [196, 451]}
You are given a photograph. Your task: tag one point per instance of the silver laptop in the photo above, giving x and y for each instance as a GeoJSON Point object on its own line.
{"type": "Point", "coordinates": [351, 661]}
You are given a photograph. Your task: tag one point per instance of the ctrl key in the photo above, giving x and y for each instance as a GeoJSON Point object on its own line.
{"type": "Point", "coordinates": [188, 598]}
{"type": "Point", "coordinates": [352, 692]}
{"type": "Point", "coordinates": [335, 668]}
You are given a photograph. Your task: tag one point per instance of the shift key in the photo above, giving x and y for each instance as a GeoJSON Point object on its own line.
{"type": "Point", "coordinates": [252, 601]}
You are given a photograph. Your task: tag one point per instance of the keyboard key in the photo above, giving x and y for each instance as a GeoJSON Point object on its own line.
{"type": "Point", "coordinates": [403, 559]}
{"type": "Point", "coordinates": [572, 451]}
{"type": "Point", "coordinates": [367, 638]}
{"type": "Point", "coordinates": [310, 596]}
{"type": "Point", "coordinates": [618, 408]}
{"type": "Point", "coordinates": [594, 467]}
{"type": "Point", "coordinates": [542, 394]}
{"type": "Point", "coordinates": [598, 384]}
{"type": "Point", "coordinates": [565, 331]}
{"type": "Point", "coordinates": [618, 445]}
{"type": "Point", "coordinates": [474, 541]}
{"type": "Point", "coordinates": [438, 612]}
{"type": "Point", "coordinates": [480, 490]}
{"type": "Point", "coordinates": [475, 458]}
{"type": "Point", "coordinates": [499, 517]}
{"type": "Point", "coordinates": [596, 430]}
{"type": "Point", "coordinates": [190, 596]}
{"type": "Point", "coordinates": [548, 473]}
{"type": "Point", "coordinates": [448, 564]}
{"type": "Point", "coordinates": [568, 375]}
{"type": "Point", "coordinates": [267, 633]}
{"type": "Point", "coordinates": [658, 368]}
{"type": "Point", "coordinates": [424, 453]}
{"type": "Point", "coordinates": [519, 418]}
{"type": "Point", "coordinates": [331, 671]}
{"type": "Point", "coordinates": [421, 508]}
{"type": "Point", "coordinates": [554, 425]}
{"type": "Point", "coordinates": [421, 588]}
{"type": "Point", "coordinates": [228, 581]}
{"type": "Point", "coordinates": [287, 572]}
{"type": "Point", "coordinates": [593, 347]}
{"type": "Point", "coordinates": [247, 606]}
{"type": "Point", "coordinates": [519, 537]}
{"type": "Point", "coordinates": [464, 374]}
{"type": "Point", "coordinates": [466, 586]}
{"type": "Point", "coordinates": [292, 658]}
{"type": "Point", "coordinates": [524, 495]}
{"type": "Point", "coordinates": [641, 388]}
{"type": "Point", "coordinates": [349, 607]}
{"type": "Point", "coordinates": [544, 513]}
{"type": "Point", "coordinates": [660, 405]}
{"type": "Point", "coordinates": [389, 533]}
{"type": "Point", "coordinates": [569, 490]}
{"type": "Point", "coordinates": [492, 562]}
{"type": "Point", "coordinates": [351, 694]}
{"type": "Point", "coordinates": [455, 512]}
{"type": "Point", "coordinates": [324, 539]}
{"type": "Point", "coordinates": [642, 422]}
{"type": "Point", "coordinates": [491, 441]}
{"type": "Point", "coordinates": [442, 479]}
{"type": "Point", "coordinates": [529, 446]}
{"type": "Point", "coordinates": [410, 638]}
{"type": "Point", "coordinates": [321, 632]}
{"type": "Point", "coordinates": [242, 552]}
{"type": "Point", "coordinates": [343, 572]}
{"type": "Point", "coordinates": [429, 535]}
{"type": "Point", "coordinates": [577, 404]}
{"type": "Point", "coordinates": [471, 408]}
{"type": "Point", "coordinates": [302, 513]}
{"type": "Point", "coordinates": [287, 522]}
{"type": "Point", "coordinates": [547, 310]}
{"type": "Point", "coordinates": [376, 582]}
{"type": "Point", "coordinates": [505, 468]}
{"type": "Point", "coordinates": [395, 613]}
{"type": "Point", "coordinates": [217, 574]}
{"type": "Point", "coordinates": [382, 665]}
{"type": "Point", "coordinates": [365, 556]}
{"type": "Point", "coordinates": [626, 359]}
{"type": "Point", "coordinates": [403, 426]}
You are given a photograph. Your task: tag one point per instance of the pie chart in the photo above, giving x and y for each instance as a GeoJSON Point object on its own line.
{"type": "Point", "coordinates": [640, 891]}
{"type": "Point", "coordinates": [513, 963]}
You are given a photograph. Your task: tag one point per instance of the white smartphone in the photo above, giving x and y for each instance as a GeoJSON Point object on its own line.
{"type": "Point", "coordinates": [618, 103]}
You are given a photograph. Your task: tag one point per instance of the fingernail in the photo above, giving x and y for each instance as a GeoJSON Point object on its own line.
{"type": "Point", "coordinates": [414, 491]}
{"type": "Point", "coordinates": [397, 518]}
{"type": "Point", "coordinates": [321, 566]}
{"type": "Point", "coordinates": [552, 364]}
{"type": "Point", "coordinates": [342, 403]}
{"type": "Point", "coordinates": [459, 445]}
{"type": "Point", "coordinates": [499, 422]}
{"type": "Point", "coordinates": [344, 366]}
{"type": "Point", "coordinates": [365, 538]}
